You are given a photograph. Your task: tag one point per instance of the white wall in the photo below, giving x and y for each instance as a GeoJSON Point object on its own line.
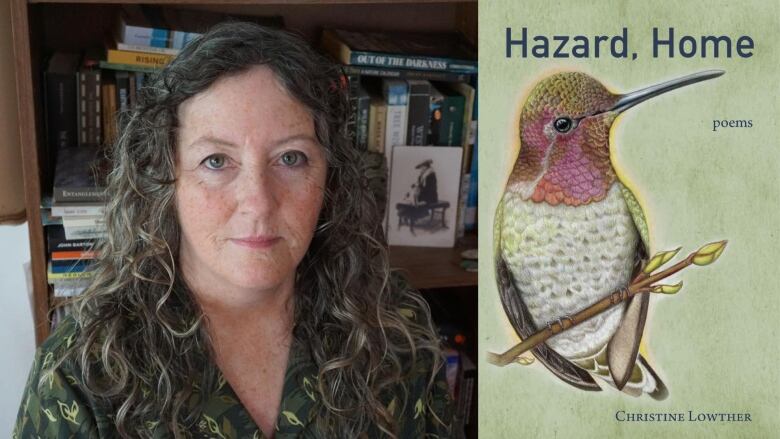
{"type": "Point", "coordinates": [17, 338]}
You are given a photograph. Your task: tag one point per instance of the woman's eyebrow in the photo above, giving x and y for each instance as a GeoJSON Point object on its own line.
{"type": "Point", "coordinates": [295, 138]}
{"type": "Point", "coordinates": [213, 140]}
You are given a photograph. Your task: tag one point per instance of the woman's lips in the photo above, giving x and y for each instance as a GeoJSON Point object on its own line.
{"type": "Point", "coordinates": [256, 241]}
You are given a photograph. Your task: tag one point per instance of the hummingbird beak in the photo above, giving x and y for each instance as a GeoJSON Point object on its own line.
{"type": "Point", "coordinates": [629, 100]}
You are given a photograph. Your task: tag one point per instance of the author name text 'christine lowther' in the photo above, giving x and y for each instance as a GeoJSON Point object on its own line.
{"type": "Point", "coordinates": [687, 416]}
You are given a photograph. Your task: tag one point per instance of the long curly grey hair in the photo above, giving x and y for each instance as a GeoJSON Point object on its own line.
{"type": "Point", "coordinates": [142, 344]}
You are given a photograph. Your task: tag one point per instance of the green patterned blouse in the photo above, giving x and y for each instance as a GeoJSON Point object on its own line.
{"type": "Point", "coordinates": [59, 409]}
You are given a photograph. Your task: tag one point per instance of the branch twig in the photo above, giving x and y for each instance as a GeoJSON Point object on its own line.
{"type": "Point", "coordinates": [643, 283]}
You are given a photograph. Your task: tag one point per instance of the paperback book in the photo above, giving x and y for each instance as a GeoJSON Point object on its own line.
{"type": "Point", "coordinates": [629, 219]}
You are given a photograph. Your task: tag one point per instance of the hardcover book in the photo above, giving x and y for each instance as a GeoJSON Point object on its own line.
{"type": "Point", "coordinates": [629, 219]}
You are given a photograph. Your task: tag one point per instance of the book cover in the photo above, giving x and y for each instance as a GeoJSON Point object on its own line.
{"type": "Point", "coordinates": [416, 51]}
{"type": "Point", "coordinates": [666, 112]}
{"type": "Point", "coordinates": [424, 187]}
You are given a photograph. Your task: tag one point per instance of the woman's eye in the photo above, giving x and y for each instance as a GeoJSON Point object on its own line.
{"type": "Point", "coordinates": [293, 158]}
{"type": "Point", "coordinates": [215, 161]}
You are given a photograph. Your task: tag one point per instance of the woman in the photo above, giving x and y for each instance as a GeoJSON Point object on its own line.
{"type": "Point", "coordinates": [242, 290]}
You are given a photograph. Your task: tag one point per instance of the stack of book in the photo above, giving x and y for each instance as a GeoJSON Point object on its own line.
{"type": "Point", "coordinates": [69, 269]}
{"type": "Point", "coordinates": [410, 91]}
{"type": "Point", "coordinates": [73, 217]}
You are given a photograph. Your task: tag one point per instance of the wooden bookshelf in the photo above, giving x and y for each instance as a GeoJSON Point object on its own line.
{"type": "Point", "coordinates": [435, 268]}
{"type": "Point", "coordinates": [41, 26]}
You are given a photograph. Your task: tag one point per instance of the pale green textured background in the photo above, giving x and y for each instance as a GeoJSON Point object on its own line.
{"type": "Point", "coordinates": [716, 343]}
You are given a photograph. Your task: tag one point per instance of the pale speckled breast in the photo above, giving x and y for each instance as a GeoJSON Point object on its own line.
{"type": "Point", "coordinates": [564, 258]}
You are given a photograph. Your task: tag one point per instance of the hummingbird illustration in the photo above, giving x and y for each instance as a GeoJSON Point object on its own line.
{"type": "Point", "coordinates": [568, 232]}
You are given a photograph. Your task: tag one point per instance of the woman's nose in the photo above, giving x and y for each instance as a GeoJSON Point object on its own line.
{"type": "Point", "coordinates": [257, 192]}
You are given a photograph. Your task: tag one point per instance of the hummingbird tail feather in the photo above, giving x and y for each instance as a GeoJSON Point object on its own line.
{"type": "Point", "coordinates": [660, 392]}
{"type": "Point", "coordinates": [643, 379]}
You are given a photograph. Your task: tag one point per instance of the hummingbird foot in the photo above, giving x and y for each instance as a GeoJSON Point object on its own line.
{"type": "Point", "coordinates": [560, 323]}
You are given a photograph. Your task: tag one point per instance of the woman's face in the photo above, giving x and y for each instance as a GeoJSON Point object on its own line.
{"type": "Point", "coordinates": [249, 188]}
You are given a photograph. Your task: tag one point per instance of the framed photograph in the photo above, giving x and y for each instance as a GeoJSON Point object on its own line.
{"type": "Point", "coordinates": [424, 188]}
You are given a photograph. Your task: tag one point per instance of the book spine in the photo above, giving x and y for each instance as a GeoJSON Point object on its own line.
{"type": "Point", "coordinates": [432, 63]}
{"type": "Point", "coordinates": [61, 99]}
{"type": "Point", "coordinates": [78, 195]}
{"type": "Point", "coordinates": [143, 36]}
{"type": "Point", "coordinates": [83, 221]}
{"type": "Point", "coordinates": [68, 291]}
{"type": "Point", "coordinates": [64, 245]}
{"type": "Point", "coordinates": [73, 233]}
{"type": "Point", "coordinates": [140, 77]}
{"type": "Point", "coordinates": [127, 67]}
{"type": "Point", "coordinates": [142, 59]}
{"type": "Point", "coordinates": [122, 94]}
{"type": "Point", "coordinates": [471, 203]}
{"type": "Point", "coordinates": [406, 74]}
{"type": "Point", "coordinates": [363, 102]}
{"type": "Point", "coordinates": [57, 242]}
{"type": "Point", "coordinates": [353, 83]}
{"type": "Point", "coordinates": [397, 103]}
{"type": "Point", "coordinates": [72, 255]}
{"type": "Point", "coordinates": [147, 49]}
{"type": "Point", "coordinates": [76, 210]}
{"type": "Point", "coordinates": [376, 125]}
{"type": "Point", "coordinates": [131, 89]}
{"type": "Point", "coordinates": [451, 125]}
{"type": "Point", "coordinates": [89, 108]}
{"type": "Point", "coordinates": [82, 109]}
{"type": "Point", "coordinates": [179, 39]}
{"type": "Point", "coordinates": [70, 282]}
{"type": "Point", "coordinates": [53, 277]}
{"type": "Point", "coordinates": [419, 113]}
{"type": "Point", "coordinates": [463, 198]}
{"type": "Point", "coordinates": [65, 266]}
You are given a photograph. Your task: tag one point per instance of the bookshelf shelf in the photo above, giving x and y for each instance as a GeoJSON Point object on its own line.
{"type": "Point", "coordinates": [434, 268]}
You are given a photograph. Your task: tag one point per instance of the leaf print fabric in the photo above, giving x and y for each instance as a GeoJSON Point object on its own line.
{"type": "Point", "coordinates": [60, 409]}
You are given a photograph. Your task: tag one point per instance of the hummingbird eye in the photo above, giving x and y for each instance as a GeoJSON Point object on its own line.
{"type": "Point", "coordinates": [563, 124]}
